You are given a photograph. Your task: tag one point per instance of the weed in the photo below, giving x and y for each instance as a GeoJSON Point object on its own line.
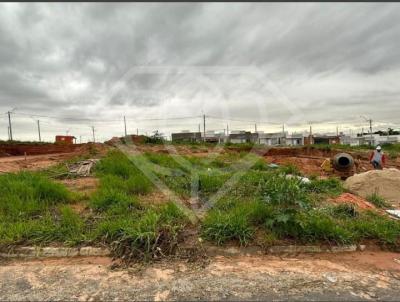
{"type": "Point", "coordinates": [378, 201]}
{"type": "Point", "coordinates": [330, 186]}
{"type": "Point", "coordinates": [27, 194]}
{"type": "Point", "coordinates": [289, 169]}
{"type": "Point", "coordinates": [221, 227]}
{"type": "Point", "coordinates": [103, 199]}
{"type": "Point", "coordinates": [316, 226]}
{"type": "Point", "coordinates": [343, 211]}
{"type": "Point", "coordinates": [116, 163]}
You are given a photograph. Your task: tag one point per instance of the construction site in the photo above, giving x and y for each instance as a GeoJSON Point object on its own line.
{"type": "Point", "coordinates": [172, 210]}
{"type": "Point", "coordinates": [199, 151]}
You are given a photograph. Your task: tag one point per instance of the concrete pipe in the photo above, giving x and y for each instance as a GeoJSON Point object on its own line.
{"type": "Point", "coordinates": [343, 162]}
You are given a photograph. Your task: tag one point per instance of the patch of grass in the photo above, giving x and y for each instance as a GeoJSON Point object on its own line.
{"type": "Point", "coordinates": [371, 225]}
{"type": "Point", "coordinates": [330, 186]}
{"type": "Point", "coordinates": [378, 201]}
{"type": "Point", "coordinates": [221, 227]}
{"type": "Point", "coordinates": [316, 226]}
{"type": "Point", "coordinates": [116, 163]}
{"type": "Point", "coordinates": [150, 233]}
{"type": "Point", "coordinates": [27, 194]}
{"type": "Point", "coordinates": [344, 210]}
{"type": "Point", "coordinates": [103, 199]}
{"type": "Point", "coordinates": [289, 169]}
{"type": "Point", "coordinates": [66, 227]}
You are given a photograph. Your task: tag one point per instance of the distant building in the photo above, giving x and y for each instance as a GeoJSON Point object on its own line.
{"type": "Point", "coordinates": [295, 139]}
{"type": "Point", "coordinates": [65, 139]}
{"type": "Point", "coordinates": [271, 139]}
{"type": "Point", "coordinates": [186, 137]}
{"type": "Point", "coordinates": [352, 140]}
{"type": "Point", "coordinates": [376, 139]}
{"type": "Point", "coordinates": [239, 137]}
{"type": "Point", "coordinates": [326, 139]}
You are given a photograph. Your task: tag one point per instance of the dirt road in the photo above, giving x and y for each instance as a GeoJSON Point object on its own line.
{"type": "Point", "coordinates": [32, 162]}
{"type": "Point", "coordinates": [356, 276]}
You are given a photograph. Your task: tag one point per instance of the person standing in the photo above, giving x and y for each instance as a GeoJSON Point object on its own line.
{"type": "Point", "coordinates": [377, 158]}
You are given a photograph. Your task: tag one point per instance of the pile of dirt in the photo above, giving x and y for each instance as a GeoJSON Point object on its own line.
{"type": "Point", "coordinates": [355, 200]}
{"type": "Point", "coordinates": [385, 183]}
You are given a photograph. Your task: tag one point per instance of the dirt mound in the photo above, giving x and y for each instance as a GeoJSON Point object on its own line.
{"type": "Point", "coordinates": [385, 183]}
{"type": "Point", "coordinates": [355, 200]}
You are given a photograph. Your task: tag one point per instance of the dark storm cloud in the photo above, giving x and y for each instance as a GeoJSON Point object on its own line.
{"type": "Point", "coordinates": [332, 61]}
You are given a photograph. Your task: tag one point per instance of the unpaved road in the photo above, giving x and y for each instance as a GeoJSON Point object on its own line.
{"type": "Point", "coordinates": [356, 276]}
{"type": "Point", "coordinates": [32, 162]}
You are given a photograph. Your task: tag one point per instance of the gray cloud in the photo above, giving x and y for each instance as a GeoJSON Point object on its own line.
{"type": "Point", "coordinates": [333, 62]}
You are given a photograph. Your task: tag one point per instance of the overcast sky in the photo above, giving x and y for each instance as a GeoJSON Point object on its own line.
{"type": "Point", "coordinates": [91, 64]}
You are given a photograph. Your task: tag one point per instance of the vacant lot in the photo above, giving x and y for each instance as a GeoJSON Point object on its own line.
{"type": "Point", "coordinates": [145, 203]}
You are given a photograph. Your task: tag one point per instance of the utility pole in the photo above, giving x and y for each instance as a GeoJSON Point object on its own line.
{"type": "Point", "coordinates": [255, 128]}
{"type": "Point", "coordinates": [38, 127]}
{"type": "Point", "coordinates": [370, 131]}
{"type": "Point", "coordinates": [337, 130]}
{"type": "Point", "coordinates": [204, 126]}
{"type": "Point", "coordinates": [80, 139]}
{"type": "Point", "coordinates": [227, 129]}
{"type": "Point", "coordinates": [9, 125]}
{"type": "Point", "coordinates": [94, 138]}
{"type": "Point", "coordinates": [137, 131]}
{"type": "Point", "coordinates": [199, 128]}
{"type": "Point", "coordinates": [126, 134]}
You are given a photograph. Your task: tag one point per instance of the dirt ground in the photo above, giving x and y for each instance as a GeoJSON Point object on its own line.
{"type": "Point", "coordinates": [348, 276]}
{"type": "Point", "coordinates": [308, 160]}
{"type": "Point", "coordinates": [42, 161]}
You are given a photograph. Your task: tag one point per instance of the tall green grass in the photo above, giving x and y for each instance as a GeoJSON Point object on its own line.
{"type": "Point", "coordinates": [28, 194]}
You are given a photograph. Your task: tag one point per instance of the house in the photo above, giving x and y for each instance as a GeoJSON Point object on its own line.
{"type": "Point", "coordinates": [351, 140]}
{"type": "Point", "coordinates": [271, 139]}
{"type": "Point", "coordinates": [215, 137]}
{"type": "Point", "coordinates": [326, 139]}
{"type": "Point", "coordinates": [376, 139]}
{"type": "Point", "coordinates": [295, 139]}
{"type": "Point", "coordinates": [238, 137]}
{"type": "Point", "coordinates": [186, 136]}
{"type": "Point", "coordinates": [65, 139]}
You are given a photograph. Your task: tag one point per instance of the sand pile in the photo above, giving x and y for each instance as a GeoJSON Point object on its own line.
{"type": "Point", "coordinates": [385, 183]}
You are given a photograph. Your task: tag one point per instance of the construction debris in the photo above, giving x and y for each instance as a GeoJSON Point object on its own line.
{"type": "Point", "coordinates": [385, 183]}
{"type": "Point", "coordinates": [395, 213]}
{"type": "Point", "coordinates": [82, 168]}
